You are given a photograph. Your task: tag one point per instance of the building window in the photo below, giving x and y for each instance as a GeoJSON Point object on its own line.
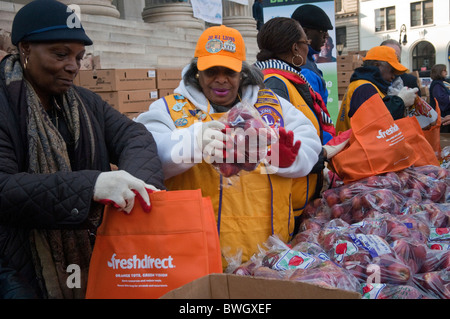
{"type": "Point", "coordinates": [385, 19]}
{"type": "Point", "coordinates": [337, 5]}
{"type": "Point", "coordinates": [421, 13]}
{"type": "Point", "coordinates": [341, 36]}
{"type": "Point", "coordinates": [424, 57]}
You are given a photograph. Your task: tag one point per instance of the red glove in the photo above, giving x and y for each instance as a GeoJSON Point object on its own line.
{"type": "Point", "coordinates": [284, 150]}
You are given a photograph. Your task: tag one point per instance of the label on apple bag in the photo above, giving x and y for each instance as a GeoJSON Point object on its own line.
{"type": "Point", "coordinates": [374, 244]}
{"type": "Point", "coordinates": [439, 234]}
{"type": "Point", "coordinates": [291, 259]}
{"type": "Point", "coordinates": [439, 245]}
{"type": "Point", "coordinates": [371, 291]}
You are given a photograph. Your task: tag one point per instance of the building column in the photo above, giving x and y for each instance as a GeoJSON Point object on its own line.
{"type": "Point", "coordinates": [130, 9]}
{"type": "Point", "coordinates": [174, 13]}
{"type": "Point", "coordinates": [95, 7]}
{"type": "Point", "coordinates": [240, 17]}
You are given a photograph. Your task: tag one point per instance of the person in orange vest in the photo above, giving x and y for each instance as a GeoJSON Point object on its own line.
{"type": "Point", "coordinates": [379, 69]}
{"type": "Point", "coordinates": [188, 129]}
{"type": "Point", "coordinates": [283, 51]}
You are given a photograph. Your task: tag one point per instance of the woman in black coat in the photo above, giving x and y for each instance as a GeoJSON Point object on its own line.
{"type": "Point", "coordinates": [57, 143]}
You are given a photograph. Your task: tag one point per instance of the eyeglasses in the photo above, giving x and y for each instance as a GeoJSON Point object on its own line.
{"type": "Point", "coordinates": [308, 42]}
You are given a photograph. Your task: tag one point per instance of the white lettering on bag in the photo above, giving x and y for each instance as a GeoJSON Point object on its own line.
{"type": "Point", "coordinates": [147, 262]}
{"type": "Point", "coordinates": [383, 134]}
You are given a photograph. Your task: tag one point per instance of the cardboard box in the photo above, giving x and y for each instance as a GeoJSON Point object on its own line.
{"type": "Point", "coordinates": [130, 101]}
{"type": "Point", "coordinates": [168, 78]}
{"type": "Point", "coordinates": [343, 83]}
{"type": "Point", "coordinates": [344, 76]}
{"type": "Point", "coordinates": [344, 59]}
{"type": "Point", "coordinates": [106, 80]}
{"type": "Point", "coordinates": [164, 92]}
{"type": "Point", "coordinates": [345, 67]}
{"type": "Point", "coordinates": [228, 286]}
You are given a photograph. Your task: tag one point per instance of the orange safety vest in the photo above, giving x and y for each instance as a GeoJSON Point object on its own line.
{"type": "Point", "coordinates": [304, 189]}
{"type": "Point", "coordinates": [343, 121]}
{"type": "Point", "coordinates": [255, 206]}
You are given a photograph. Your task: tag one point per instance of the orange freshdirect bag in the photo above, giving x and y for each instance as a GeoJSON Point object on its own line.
{"type": "Point", "coordinates": [377, 144]}
{"type": "Point", "coordinates": [433, 134]}
{"type": "Point", "coordinates": [145, 255]}
{"type": "Point", "coordinates": [415, 137]}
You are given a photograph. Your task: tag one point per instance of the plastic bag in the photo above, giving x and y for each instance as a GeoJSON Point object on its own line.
{"type": "Point", "coordinates": [389, 291]}
{"type": "Point", "coordinates": [249, 139]}
{"type": "Point", "coordinates": [436, 283]}
{"type": "Point", "coordinates": [327, 274]}
{"type": "Point", "coordinates": [424, 113]}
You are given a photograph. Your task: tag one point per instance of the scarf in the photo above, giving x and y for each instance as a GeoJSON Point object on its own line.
{"type": "Point", "coordinates": [53, 250]}
{"type": "Point", "coordinates": [319, 108]}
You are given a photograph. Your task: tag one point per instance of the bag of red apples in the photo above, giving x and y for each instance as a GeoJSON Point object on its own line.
{"type": "Point", "coordinates": [390, 233]}
{"type": "Point", "coordinates": [248, 140]}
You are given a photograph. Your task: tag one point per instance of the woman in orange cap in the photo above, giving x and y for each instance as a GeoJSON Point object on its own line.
{"type": "Point", "coordinates": [379, 69]}
{"type": "Point", "coordinates": [218, 79]}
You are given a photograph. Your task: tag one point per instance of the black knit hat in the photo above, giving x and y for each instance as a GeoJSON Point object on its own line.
{"type": "Point", "coordinates": [47, 20]}
{"type": "Point", "coordinates": [313, 17]}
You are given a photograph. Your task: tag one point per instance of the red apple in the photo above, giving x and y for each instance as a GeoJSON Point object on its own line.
{"type": "Point", "coordinates": [228, 169]}
{"type": "Point", "coordinates": [332, 198]}
{"type": "Point", "coordinates": [397, 273]}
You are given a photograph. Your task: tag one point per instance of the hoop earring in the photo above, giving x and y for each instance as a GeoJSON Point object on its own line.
{"type": "Point", "coordinates": [25, 63]}
{"type": "Point", "coordinates": [197, 76]}
{"type": "Point", "coordinates": [297, 65]}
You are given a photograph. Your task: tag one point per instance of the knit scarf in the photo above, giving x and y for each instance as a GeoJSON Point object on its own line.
{"type": "Point", "coordinates": [53, 250]}
{"type": "Point", "coordinates": [273, 66]}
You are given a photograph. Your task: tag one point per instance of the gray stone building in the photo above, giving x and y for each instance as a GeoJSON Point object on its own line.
{"type": "Point", "coordinates": [150, 33]}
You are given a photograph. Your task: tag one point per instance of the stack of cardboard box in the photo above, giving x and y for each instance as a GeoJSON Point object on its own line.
{"type": "Point", "coordinates": [167, 79]}
{"type": "Point", "coordinates": [346, 64]}
{"type": "Point", "coordinates": [130, 91]}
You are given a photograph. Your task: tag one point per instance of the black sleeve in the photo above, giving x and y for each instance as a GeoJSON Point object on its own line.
{"type": "Point", "coordinates": [393, 103]}
{"type": "Point", "coordinates": [12, 285]}
{"type": "Point", "coordinates": [277, 86]}
{"type": "Point", "coordinates": [395, 106]}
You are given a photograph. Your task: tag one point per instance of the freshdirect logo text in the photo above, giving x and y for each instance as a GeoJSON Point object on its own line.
{"type": "Point", "coordinates": [147, 262]}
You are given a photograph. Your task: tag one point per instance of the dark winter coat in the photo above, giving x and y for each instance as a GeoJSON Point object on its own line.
{"type": "Point", "coordinates": [62, 200]}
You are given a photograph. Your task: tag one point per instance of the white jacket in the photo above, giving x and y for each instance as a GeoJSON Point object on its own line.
{"type": "Point", "coordinates": [170, 139]}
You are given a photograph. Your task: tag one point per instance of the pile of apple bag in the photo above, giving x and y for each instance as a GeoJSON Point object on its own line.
{"type": "Point", "coordinates": [386, 236]}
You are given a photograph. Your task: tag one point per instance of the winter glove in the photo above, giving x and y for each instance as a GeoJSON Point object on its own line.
{"type": "Point", "coordinates": [408, 95]}
{"type": "Point", "coordinates": [336, 144]}
{"type": "Point", "coordinates": [119, 188]}
{"type": "Point", "coordinates": [211, 139]}
{"type": "Point", "coordinates": [285, 150]}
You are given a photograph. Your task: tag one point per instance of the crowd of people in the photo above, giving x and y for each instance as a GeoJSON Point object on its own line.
{"type": "Point", "coordinates": [58, 140]}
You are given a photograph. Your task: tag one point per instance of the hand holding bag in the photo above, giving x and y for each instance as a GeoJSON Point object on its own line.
{"type": "Point", "coordinates": [145, 255]}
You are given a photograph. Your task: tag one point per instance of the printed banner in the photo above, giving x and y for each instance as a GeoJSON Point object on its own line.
{"type": "Point", "coordinates": [243, 2]}
{"type": "Point", "coordinates": [208, 10]}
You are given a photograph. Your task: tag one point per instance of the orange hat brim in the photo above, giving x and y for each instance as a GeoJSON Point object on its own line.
{"type": "Point", "coordinates": [399, 68]}
{"type": "Point", "coordinates": [206, 62]}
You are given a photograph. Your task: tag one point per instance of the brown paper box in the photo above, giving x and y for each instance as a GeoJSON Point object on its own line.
{"type": "Point", "coordinates": [168, 78]}
{"type": "Point", "coordinates": [105, 80]}
{"type": "Point", "coordinates": [228, 286]}
{"type": "Point", "coordinates": [134, 101]}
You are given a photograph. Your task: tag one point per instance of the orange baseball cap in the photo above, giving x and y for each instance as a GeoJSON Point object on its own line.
{"type": "Point", "coordinates": [220, 46]}
{"type": "Point", "coordinates": [386, 54]}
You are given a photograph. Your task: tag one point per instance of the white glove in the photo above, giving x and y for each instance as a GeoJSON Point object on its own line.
{"type": "Point", "coordinates": [119, 188]}
{"type": "Point", "coordinates": [408, 95]}
{"type": "Point", "coordinates": [211, 140]}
